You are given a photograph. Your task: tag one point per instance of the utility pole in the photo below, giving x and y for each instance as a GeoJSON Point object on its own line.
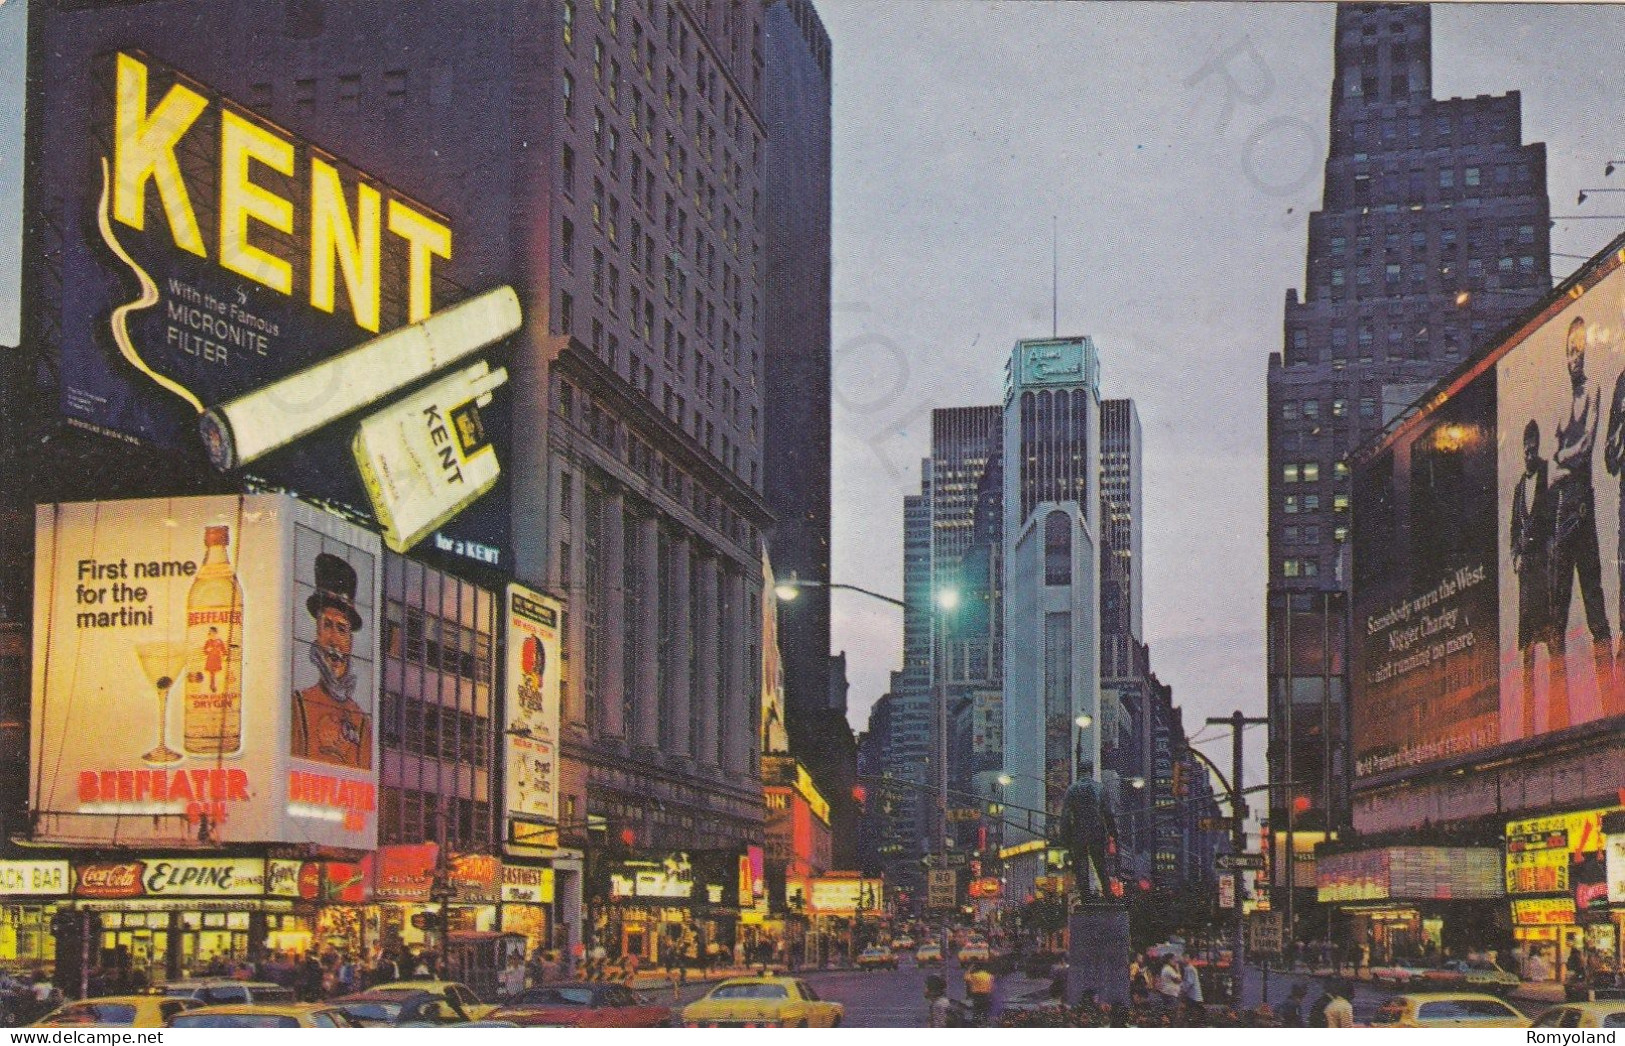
{"type": "Point", "coordinates": [1238, 723]}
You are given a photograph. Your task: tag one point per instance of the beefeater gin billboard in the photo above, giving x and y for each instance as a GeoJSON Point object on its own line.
{"type": "Point", "coordinates": [205, 669]}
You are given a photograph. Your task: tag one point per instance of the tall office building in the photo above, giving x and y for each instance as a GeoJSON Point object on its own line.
{"type": "Point", "coordinates": [1052, 537]}
{"type": "Point", "coordinates": [1432, 234]}
{"type": "Point", "coordinates": [1122, 524]}
{"type": "Point", "coordinates": [796, 391]}
{"type": "Point", "coordinates": [912, 821]}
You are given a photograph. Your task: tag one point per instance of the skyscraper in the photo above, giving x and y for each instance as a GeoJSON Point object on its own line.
{"type": "Point", "coordinates": [1432, 234]}
{"type": "Point", "coordinates": [1052, 533]}
{"type": "Point", "coordinates": [1122, 523]}
{"type": "Point", "coordinates": [797, 57]}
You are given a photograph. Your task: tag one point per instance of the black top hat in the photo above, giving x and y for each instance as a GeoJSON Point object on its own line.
{"type": "Point", "coordinates": [335, 587]}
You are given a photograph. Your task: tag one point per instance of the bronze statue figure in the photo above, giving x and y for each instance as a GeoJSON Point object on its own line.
{"type": "Point", "coordinates": [1086, 825]}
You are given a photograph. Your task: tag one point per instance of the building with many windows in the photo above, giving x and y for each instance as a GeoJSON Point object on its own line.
{"type": "Point", "coordinates": [1432, 234]}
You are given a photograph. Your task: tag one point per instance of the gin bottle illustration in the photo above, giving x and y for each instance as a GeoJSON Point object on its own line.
{"type": "Point", "coordinates": [214, 636]}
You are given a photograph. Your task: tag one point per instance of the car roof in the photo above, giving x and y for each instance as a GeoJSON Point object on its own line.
{"type": "Point", "coordinates": [287, 1009]}
{"type": "Point", "coordinates": [424, 985]}
{"type": "Point", "coordinates": [1449, 997]}
{"type": "Point", "coordinates": [1600, 1006]}
{"type": "Point", "coordinates": [119, 999]}
{"type": "Point", "coordinates": [387, 993]}
{"type": "Point", "coordinates": [212, 982]}
{"type": "Point", "coordinates": [770, 979]}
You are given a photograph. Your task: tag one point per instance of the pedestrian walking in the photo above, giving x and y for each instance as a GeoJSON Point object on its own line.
{"type": "Point", "coordinates": [1339, 1010]}
{"type": "Point", "coordinates": [1169, 982]}
{"type": "Point", "coordinates": [938, 1005]}
{"type": "Point", "coordinates": [1290, 1012]}
{"type": "Point", "coordinates": [1190, 982]}
{"type": "Point", "coordinates": [979, 990]}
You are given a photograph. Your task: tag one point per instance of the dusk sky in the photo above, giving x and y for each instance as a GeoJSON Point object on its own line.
{"type": "Point", "coordinates": [962, 128]}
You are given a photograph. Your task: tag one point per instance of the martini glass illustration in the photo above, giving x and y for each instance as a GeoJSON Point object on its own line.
{"type": "Point", "coordinates": [163, 662]}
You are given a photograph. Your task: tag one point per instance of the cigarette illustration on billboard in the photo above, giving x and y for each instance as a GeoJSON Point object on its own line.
{"type": "Point", "coordinates": [426, 458]}
{"type": "Point", "coordinates": [247, 428]}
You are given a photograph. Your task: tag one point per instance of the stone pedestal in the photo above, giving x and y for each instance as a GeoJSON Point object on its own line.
{"type": "Point", "coordinates": [1098, 954]}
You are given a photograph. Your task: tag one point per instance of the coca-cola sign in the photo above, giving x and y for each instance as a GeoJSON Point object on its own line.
{"type": "Point", "coordinates": [173, 877]}
{"type": "Point", "coordinates": [123, 879]}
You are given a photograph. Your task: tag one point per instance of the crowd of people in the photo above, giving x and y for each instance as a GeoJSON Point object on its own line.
{"type": "Point", "coordinates": [1158, 1009]}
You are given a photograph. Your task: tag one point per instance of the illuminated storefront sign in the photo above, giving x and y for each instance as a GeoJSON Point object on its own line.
{"type": "Point", "coordinates": [830, 896]}
{"type": "Point", "coordinates": [1541, 851]}
{"type": "Point", "coordinates": [527, 884]}
{"type": "Point", "coordinates": [205, 668]}
{"type": "Point", "coordinates": [1543, 911]}
{"type": "Point", "coordinates": [172, 877]}
{"type": "Point", "coordinates": [671, 878]}
{"type": "Point", "coordinates": [1412, 873]}
{"type": "Point", "coordinates": [24, 878]}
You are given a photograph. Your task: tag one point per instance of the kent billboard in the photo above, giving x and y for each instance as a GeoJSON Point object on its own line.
{"type": "Point", "coordinates": [190, 250]}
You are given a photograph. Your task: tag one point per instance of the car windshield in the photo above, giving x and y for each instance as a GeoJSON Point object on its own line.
{"type": "Point", "coordinates": [234, 1020]}
{"type": "Point", "coordinates": [1613, 1020]}
{"type": "Point", "coordinates": [274, 995]}
{"type": "Point", "coordinates": [373, 1012]}
{"type": "Point", "coordinates": [97, 1013]}
{"type": "Point", "coordinates": [751, 991]}
{"type": "Point", "coordinates": [556, 997]}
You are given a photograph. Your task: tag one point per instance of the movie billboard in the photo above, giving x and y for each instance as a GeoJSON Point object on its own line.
{"type": "Point", "coordinates": [1488, 548]}
{"type": "Point", "coordinates": [203, 252]}
{"type": "Point", "coordinates": [1561, 467]}
{"type": "Point", "coordinates": [1426, 634]}
{"type": "Point", "coordinates": [204, 669]}
{"type": "Point", "coordinates": [531, 773]}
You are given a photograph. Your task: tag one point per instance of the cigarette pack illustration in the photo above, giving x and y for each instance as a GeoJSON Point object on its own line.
{"type": "Point", "coordinates": [426, 458]}
{"type": "Point", "coordinates": [242, 430]}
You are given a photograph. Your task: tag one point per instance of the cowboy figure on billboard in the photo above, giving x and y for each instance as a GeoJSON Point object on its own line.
{"type": "Point", "coordinates": [1613, 457]}
{"type": "Point", "coordinates": [1574, 546]}
{"type": "Point", "coordinates": [328, 725]}
{"type": "Point", "coordinates": [1531, 545]}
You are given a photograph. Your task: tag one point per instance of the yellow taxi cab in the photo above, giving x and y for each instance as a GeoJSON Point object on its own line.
{"type": "Point", "coordinates": [461, 993]}
{"type": "Point", "coordinates": [762, 1002]}
{"type": "Point", "coordinates": [264, 1015]}
{"type": "Point", "coordinates": [1605, 1014]}
{"type": "Point", "coordinates": [1448, 1010]}
{"type": "Point", "coordinates": [116, 1011]}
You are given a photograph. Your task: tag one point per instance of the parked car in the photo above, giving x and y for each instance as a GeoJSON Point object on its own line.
{"type": "Point", "coordinates": [877, 957]}
{"type": "Point", "coordinates": [1400, 973]}
{"type": "Point", "coordinates": [929, 955]}
{"type": "Point", "coordinates": [1474, 974]}
{"type": "Point", "coordinates": [582, 1006]}
{"type": "Point", "coordinates": [1447, 1010]}
{"type": "Point", "coordinates": [220, 991]}
{"type": "Point", "coordinates": [116, 1011]}
{"type": "Point", "coordinates": [1609, 1014]}
{"type": "Point", "coordinates": [281, 1015]}
{"type": "Point", "coordinates": [461, 994]}
{"type": "Point", "coordinates": [763, 1002]}
{"type": "Point", "coordinates": [398, 1007]}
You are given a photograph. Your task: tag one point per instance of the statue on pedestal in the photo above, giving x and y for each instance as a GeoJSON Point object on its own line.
{"type": "Point", "coordinates": [1088, 830]}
